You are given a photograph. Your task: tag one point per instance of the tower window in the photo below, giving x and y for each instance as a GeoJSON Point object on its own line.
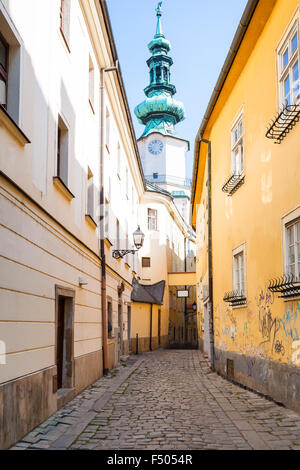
{"type": "Point", "coordinates": [151, 75]}
{"type": "Point", "coordinates": [158, 74]}
{"type": "Point", "coordinates": [165, 70]}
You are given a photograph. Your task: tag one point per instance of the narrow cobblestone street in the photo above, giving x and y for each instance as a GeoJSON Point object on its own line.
{"type": "Point", "coordinates": [167, 399]}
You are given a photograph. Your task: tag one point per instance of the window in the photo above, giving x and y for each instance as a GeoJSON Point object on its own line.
{"type": "Point", "coordinates": [155, 176]}
{"type": "Point", "coordinates": [293, 249]}
{"type": "Point", "coordinates": [3, 72]}
{"type": "Point", "coordinates": [65, 7]}
{"type": "Point", "coordinates": [107, 133]}
{"type": "Point", "coordinates": [288, 67]}
{"type": "Point", "coordinates": [239, 284]}
{"type": "Point", "coordinates": [91, 83]}
{"type": "Point", "coordinates": [90, 193]}
{"type": "Point", "coordinates": [62, 151]}
{"type": "Point", "coordinates": [237, 147]}
{"type": "Point", "coordinates": [158, 74]}
{"type": "Point", "coordinates": [152, 219]}
{"type": "Point", "coordinates": [146, 262]}
{"type": "Point", "coordinates": [10, 67]}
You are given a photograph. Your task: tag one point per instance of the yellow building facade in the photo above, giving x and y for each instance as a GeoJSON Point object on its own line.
{"type": "Point", "coordinates": [246, 207]}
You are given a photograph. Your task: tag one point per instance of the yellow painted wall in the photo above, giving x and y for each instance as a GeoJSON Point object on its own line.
{"type": "Point", "coordinates": [267, 326]}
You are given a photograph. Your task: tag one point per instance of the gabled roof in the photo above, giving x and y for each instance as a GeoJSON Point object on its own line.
{"type": "Point", "coordinates": [149, 294]}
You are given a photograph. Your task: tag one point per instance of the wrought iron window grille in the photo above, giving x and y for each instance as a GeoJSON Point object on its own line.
{"type": "Point", "coordinates": [283, 123]}
{"type": "Point", "coordinates": [235, 298]}
{"type": "Point", "coordinates": [286, 285]}
{"type": "Point", "coordinates": [233, 183]}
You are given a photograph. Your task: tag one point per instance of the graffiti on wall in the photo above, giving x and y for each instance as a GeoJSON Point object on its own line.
{"type": "Point", "coordinates": [288, 322]}
{"type": "Point", "coordinates": [279, 348]}
{"type": "Point", "coordinates": [230, 331]}
{"type": "Point", "coordinates": [268, 325]}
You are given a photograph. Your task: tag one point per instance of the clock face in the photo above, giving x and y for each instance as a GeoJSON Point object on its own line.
{"type": "Point", "coordinates": [155, 147]}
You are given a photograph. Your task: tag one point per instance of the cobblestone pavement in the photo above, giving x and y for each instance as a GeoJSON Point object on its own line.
{"type": "Point", "coordinates": [167, 399]}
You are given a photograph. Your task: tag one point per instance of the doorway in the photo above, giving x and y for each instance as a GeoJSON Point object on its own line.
{"type": "Point", "coordinates": [65, 300]}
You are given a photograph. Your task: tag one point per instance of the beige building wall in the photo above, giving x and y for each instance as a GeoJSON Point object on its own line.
{"type": "Point", "coordinates": [49, 247]}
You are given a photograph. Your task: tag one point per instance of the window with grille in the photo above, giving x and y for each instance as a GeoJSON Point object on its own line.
{"type": "Point", "coordinates": [293, 249]}
{"type": "Point", "coordinates": [288, 68]}
{"type": "Point", "coordinates": [237, 148]}
{"type": "Point", "coordinates": [152, 219]}
{"type": "Point", "coordinates": [239, 286]}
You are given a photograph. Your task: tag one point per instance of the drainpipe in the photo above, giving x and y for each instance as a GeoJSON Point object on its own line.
{"type": "Point", "coordinates": [210, 277]}
{"type": "Point", "coordinates": [102, 219]}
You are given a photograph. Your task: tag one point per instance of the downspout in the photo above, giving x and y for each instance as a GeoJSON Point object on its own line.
{"type": "Point", "coordinates": [102, 219]}
{"type": "Point", "coordinates": [210, 277]}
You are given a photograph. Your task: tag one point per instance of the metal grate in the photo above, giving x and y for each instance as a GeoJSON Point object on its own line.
{"type": "Point", "coordinates": [285, 285]}
{"type": "Point", "coordinates": [283, 123]}
{"type": "Point", "coordinates": [232, 184]}
{"type": "Point", "coordinates": [235, 298]}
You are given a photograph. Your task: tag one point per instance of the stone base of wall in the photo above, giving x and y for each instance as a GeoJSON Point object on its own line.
{"type": "Point", "coordinates": [111, 356]}
{"type": "Point", "coordinates": [126, 347]}
{"type": "Point", "coordinates": [27, 402]}
{"type": "Point", "coordinates": [144, 344]}
{"type": "Point", "coordinates": [278, 381]}
{"type": "Point", "coordinates": [88, 369]}
{"type": "Point", "coordinates": [24, 404]}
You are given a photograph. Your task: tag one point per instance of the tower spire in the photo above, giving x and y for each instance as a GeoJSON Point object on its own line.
{"type": "Point", "coordinates": [160, 111]}
{"type": "Point", "coordinates": [159, 32]}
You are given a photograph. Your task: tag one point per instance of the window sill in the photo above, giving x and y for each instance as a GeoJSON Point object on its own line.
{"type": "Point", "coordinates": [10, 125]}
{"type": "Point", "coordinates": [60, 185]}
{"type": "Point", "coordinates": [91, 221]}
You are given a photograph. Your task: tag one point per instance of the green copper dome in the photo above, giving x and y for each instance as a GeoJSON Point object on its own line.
{"type": "Point", "coordinates": [160, 112]}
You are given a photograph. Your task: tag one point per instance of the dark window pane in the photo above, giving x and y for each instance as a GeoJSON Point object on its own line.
{"type": "Point", "coordinates": [3, 54]}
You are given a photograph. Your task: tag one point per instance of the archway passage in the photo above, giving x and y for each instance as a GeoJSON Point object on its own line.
{"type": "Point", "coordinates": [183, 330]}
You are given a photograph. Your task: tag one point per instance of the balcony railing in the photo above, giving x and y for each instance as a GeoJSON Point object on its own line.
{"type": "Point", "coordinates": [286, 285]}
{"type": "Point", "coordinates": [233, 183]}
{"type": "Point", "coordinates": [283, 123]}
{"type": "Point", "coordinates": [187, 182]}
{"type": "Point", "coordinates": [235, 298]}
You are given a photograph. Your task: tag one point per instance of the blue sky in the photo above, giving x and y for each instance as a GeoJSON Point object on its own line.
{"type": "Point", "coordinates": [200, 33]}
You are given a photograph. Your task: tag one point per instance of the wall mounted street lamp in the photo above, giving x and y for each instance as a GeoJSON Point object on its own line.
{"type": "Point", "coordinates": [138, 239]}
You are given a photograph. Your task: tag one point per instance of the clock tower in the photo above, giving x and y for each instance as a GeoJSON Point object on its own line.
{"type": "Point", "coordinates": [162, 151]}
